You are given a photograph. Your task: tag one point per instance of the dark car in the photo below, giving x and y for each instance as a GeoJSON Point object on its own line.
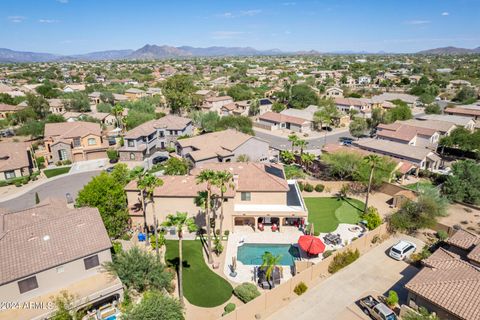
{"type": "Point", "coordinates": [114, 160]}
{"type": "Point", "coordinates": [112, 141]}
{"type": "Point", "coordinates": [159, 159]}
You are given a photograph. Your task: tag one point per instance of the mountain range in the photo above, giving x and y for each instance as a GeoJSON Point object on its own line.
{"type": "Point", "coordinates": [155, 52]}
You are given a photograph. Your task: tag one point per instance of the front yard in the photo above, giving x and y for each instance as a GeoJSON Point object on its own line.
{"type": "Point", "coordinates": [202, 287]}
{"type": "Point", "coordinates": [49, 173]}
{"type": "Point", "coordinates": [327, 213]}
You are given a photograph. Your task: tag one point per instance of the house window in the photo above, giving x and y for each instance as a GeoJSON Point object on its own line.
{"type": "Point", "coordinates": [76, 142]}
{"type": "Point", "coordinates": [246, 196]}
{"type": "Point", "coordinates": [60, 269]}
{"type": "Point", "coordinates": [91, 262]}
{"type": "Point", "coordinates": [161, 134]}
{"type": "Point", "coordinates": [9, 174]}
{"type": "Point", "coordinates": [132, 156]}
{"type": "Point", "coordinates": [28, 284]}
{"type": "Point", "coordinates": [92, 141]}
{"type": "Point", "coordinates": [131, 143]}
{"type": "Point", "coordinates": [62, 154]}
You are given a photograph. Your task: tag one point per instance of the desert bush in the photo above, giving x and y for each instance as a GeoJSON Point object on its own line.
{"type": "Point", "coordinates": [308, 187]}
{"type": "Point", "coordinates": [319, 187]}
{"type": "Point", "coordinates": [300, 288]}
{"type": "Point", "coordinates": [246, 292]}
{"type": "Point", "coordinates": [343, 259]}
{"type": "Point", "coordinates": [228, 308]}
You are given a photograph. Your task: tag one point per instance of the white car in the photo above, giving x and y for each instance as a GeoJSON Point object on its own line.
{"type": "Point", "coordinates": [402, 250]}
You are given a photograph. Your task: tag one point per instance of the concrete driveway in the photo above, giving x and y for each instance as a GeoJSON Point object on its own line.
{"type": "Point", "coordinates": [374, 271]}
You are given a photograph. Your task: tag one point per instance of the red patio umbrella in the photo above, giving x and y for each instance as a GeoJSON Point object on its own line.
{"type": "Point", "coordinates": [311, 244]}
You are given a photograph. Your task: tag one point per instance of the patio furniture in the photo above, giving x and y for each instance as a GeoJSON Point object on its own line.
{"type": "Point", "coordinates": [332, 239]}
{"type": "Point", "coordinates": [274, 227]}
{"type": "Point", "coordinates": [311, 245]}
{"type": "Point", "coordinates": [261, 227]}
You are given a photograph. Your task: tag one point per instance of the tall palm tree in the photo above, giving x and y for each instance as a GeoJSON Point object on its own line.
{"type": "Point", "coordinates": [269, 262]}
{"type": "Point", "coordinates": [307, 159]}
{"type": "Point", "coordinates": [302, 144]}
{"type": "Point", "coordinates": [293, 139]}
{"type": "Point", "coordinates": [181, 222]}
{"type": "Point", "coordinates": [147, 184]}
{"type": "Point", "coordinates": [208, 176]}
{"type": "Point", "coordinates": [223, 181]}
{"type": "Point", "coordinates": [117, 111]}
{"type": "Point", "coordinates": [373, 161]}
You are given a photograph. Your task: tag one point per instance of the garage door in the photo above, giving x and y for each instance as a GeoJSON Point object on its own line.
{"type": "Point", "coordinates": [77, 157]}
{"type": "Point", "coordinates": [96, 155]}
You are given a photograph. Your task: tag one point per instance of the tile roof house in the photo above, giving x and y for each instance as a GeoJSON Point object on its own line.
{"type": "Point", "coordinates": [443, 127]}
{"type": "Point", "coordinates": [465, 111]}
{"type": "Point", "coordinates": [154, 135]}
{"type": "Point", "coordinates": [49, 248]}
{"type": "Point", "coordinates": [134, 94]}
{"type": "Point", "coordinates": [275, 121]}
{"type": "Point", "coordinates": [74, 141]}
{"type": "Point", "coordinates": [359, 104]}
{"type": "Point", "coordinates": [260, 193]}
{"type": "Point", "coordinates": [215, 104]}
{"type": "Point", "coordinates": [446, 285]}
{"type": "Point", "coordinates": [7, 109]}
{"type": "Point", "coordinates": [409, 99]}
{"type": "Point", "coordinates": [409, 134]}
{"type": "Point", "coordinates": [459, 121]}
{"type": "Point", "coordinates": [15, 160]}
{"type": "Point", "coordinates": [222, 146]}
{"type": "Point", "coordinates": [73, 88]}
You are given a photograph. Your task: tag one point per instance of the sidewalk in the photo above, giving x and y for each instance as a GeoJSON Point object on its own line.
{"type": "Point", "coordinates": [283, 133]}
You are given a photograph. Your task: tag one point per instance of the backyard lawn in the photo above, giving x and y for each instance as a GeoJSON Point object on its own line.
{"type": "Point", "coordinates": [201, 286]}
{"type": "Point", "coordinates": [56, 171]}
{"type": "Point", "coordinates": [419, 185]}
{"type": "Point", "coordinates": [327, 213]}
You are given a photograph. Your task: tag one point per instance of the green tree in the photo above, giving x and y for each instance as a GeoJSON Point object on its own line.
{"type": "Point", "coordinates": [140, 270]}
{"type": "Point", "coordinates": [372, 218]}
{"type": "Point", "coordinates": [64, 304]}
{"type": "Point", "coordinates": [269, 262]}
{"type": "Point", "coordinates": [464, 182]}
{"type": "Point", "coordinates": [178, 91]}
{"type": "Point", "coordinates": [433, 108]}
{"type": "Point", "coordinates": [155, 306]}
{"type": "Point", "coordinates": [78, 101]}
{"type": "Point", "coordinates": [463, 139]}
{"type": "Point", "coordinates": [342, 165]}
{"type": "Point", "coordinates": [181, 222]}
{"type": "Point", "coordinates": [224, 181]}
{"type": "Point", "coordinates": [105, 192]}
{"type": "Point", "coordinates": [373, 161]}
{"type": "Point", "coordinates": [358, 127]}
{"type": "Point", "coordinates": [293, 138]}
{"type": "Point", "coordinates": [302, 96]}
{"type": "Point", "coordinates": [422, 314]}
{"type": "Point", "coordinates": [240, 91]}
{"type": "Point", "coordinates": [208, 177]}
{"type": "Point", "coordinates": [104, 107]}
{"type": "Point", "coordinates": [287, 157]}
{"type": "Point", "coordinates": [48, 90]}
{"type": "Point", "coordinates": [326, 114]}
{"type": "Point", "coordinates": [401, 112]}
{"type": "Point", "coordinates": [278, 107]}
{"type": "Point", "coordinates": [146, 184]}
{"type": "Point", "coordinates": [175, 167]}
{"type": "Point", "coordinates": [466, 95]}
{"type": "Point", "coordinates": [239, 123]}
{"type": "Point", "coordinates": [307, 159]}
{"type": "Point", "coordinates": [39, 105]}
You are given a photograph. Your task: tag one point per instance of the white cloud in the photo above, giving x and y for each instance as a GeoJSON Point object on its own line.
{"type": "Point", "coordinates": [226, 34]}
{"type": "Point", "coordinates": [289, 3]}
{"type": "Point", "coordinates": [244, 13]}
{"type": "Point", "coordinates": [445, 13]}
{"type": "Point", "coordinates": [250, 13]}
{"type": "Point", "coordinates": [47, 20]}
{"type": "Point", "coordinates": [417, 22]}
{"type": "Point", "coordinates": [16, 19]}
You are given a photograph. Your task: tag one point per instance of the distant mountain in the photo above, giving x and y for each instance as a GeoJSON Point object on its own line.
{"type": "Point", "coordinates": [7, 55]}
{"type": "Point", "coordinates": [228, 51]}
{"type": "Point", "coordinates": [450, 51]}
{"type": "Point", "coordinates": [152, 52]}
{"type": "Point", "coordinates": [102, 55]}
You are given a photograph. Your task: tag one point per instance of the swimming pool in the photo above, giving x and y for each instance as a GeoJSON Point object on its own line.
{"type": "Point", "coordinates": [251, 253]}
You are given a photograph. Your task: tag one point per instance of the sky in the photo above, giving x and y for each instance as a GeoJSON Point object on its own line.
{"type": "Point", "coordinates": [81, 26]}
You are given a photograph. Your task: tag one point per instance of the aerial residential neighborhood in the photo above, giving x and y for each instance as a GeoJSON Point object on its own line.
{"type": "Point", "coordinates": [215, 160]}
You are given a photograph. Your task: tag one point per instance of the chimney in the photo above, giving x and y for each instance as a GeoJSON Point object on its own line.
{"type": "Point", "coordinates": [235, 180]}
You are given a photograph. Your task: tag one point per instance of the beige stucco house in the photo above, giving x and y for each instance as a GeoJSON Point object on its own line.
{"type": "Point", "coordinates": [15, 160]}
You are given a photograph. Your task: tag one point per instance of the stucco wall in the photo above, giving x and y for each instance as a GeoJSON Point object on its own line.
{"type": "Point", "coordinates": [255, 149]}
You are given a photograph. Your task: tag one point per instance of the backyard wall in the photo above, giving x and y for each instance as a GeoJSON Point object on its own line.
{"type": "Point", "coordinates": [272, 300]}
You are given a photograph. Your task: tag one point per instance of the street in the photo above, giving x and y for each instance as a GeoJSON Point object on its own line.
{"type": "Point", "coordinates": [282, 143]}
{"type": "Point", "coordinates": [374, 271]}
{"type": "Point", "coordinates": [71, 183]}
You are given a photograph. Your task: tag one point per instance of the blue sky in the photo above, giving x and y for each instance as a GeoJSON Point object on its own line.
{"type": "Point", "coordinates": [80, 26]}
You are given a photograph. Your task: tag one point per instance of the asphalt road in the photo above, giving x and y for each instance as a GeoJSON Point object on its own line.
{"type": "Point", "coordinates": [282, 143]}
{"type": "Point", "coordinates": [56, 188]}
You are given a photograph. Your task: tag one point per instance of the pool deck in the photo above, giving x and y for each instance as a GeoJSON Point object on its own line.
{"type": "Point", "coordinates": [245, 272]}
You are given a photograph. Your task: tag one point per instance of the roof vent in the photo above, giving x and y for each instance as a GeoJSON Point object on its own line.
{"type": "Point", "coordinates": [46, 237]}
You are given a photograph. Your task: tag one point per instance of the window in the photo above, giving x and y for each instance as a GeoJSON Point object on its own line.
{"type": "Point", "coordinates": [28, 284]}
{"type": "Point", "coordinates": [246, 196]}
{"type": "Point", "coordinates": [161, 134]}
{"type": "Point", "coordinates": [9, 174]}
{"type": "Point", "coordinates": [92, 141]}
{"type": "Point", "coordinates": [91, 262]}
{"type": "Point", "coordinates": [62, 154]}
{"type": "Point", "coordinates": [60, 269]}
{"type": "Point", "coordinates": [131, 143]}
{"type": "Point", "coordinates": [132, 156]}
{"type": "Point", "coordinates": [76, 142]}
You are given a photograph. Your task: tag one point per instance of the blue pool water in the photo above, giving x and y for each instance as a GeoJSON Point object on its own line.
{"type": "Point", "coordinates": [251, 253]}
{"type": "Point", "coordinates": [112, 317]}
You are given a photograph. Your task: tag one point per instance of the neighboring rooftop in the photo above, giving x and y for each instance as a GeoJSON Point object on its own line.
{"type": "Point", "coordinates": [169, 122]}
{"type": "Point", "coordinates": [394, 148]}
{"type": "Point", "coordinates": [13, 155]}
{"type": "Point", "coordinates": [74, 129]}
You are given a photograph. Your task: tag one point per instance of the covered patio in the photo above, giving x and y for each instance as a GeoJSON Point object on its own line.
{"type": "Point", "coordinates": [269, 222]}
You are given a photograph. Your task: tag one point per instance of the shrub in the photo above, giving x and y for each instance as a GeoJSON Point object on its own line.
{"type": "Point", "coordinates": [319, 187]}
{"type": "Point", "coordinates": [66, 162]}
{"type": "Point", "coordinates": [301, 185]}
{"type": "Point", "coordinates": [392, 298]}
{"type": "Point", "coordinates": [308, 187]}
{"type": "Point", "coordinates": [372, 218]}
{"type": "Point", "coordinates": [117, 247]}
{"type": "Point", "coordinates": [246, 292]}
{"type": "Point", "coordinates": [342, 260]}
{"type": "Point", "coordinates": [327, 253]}
{"type": "Point", "coordinates": [218, 246]}
{"type": "Point", "coordinates": [41, 162]}
{"type": "Point", "coordinates": [161, 240]}
{"type": "Point", "coordinates": [419, 256]}
{"type": "Point", "coordinates": [18, 184]}
{"type": "Point", "coordinates": [442, 235]}
{"type": "Point", "coordinates": [228, 308]}
{"type": "Point", "coordinates": [112, 154]}
{"type": "Point", "coordinates": [300, 288]}
{"type": "Point", "coordinates": [226, 232]}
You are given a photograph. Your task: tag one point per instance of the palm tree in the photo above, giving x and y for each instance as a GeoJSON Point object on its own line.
{"type": "Point", "coordinates": [373, 161]}
{"type": "Point", "coordinates": [223, 181]}
{"type": "Point", "coordinates": [287, 156]}
{"type": "Point", "coordinates": [293, 139]}
{"type": "Point", "coordinates": [208, 176]}
{"type": "Point", "coordinates": [302, 144]}
{"type": "Point", "coordinates": [269, 263]}
{"type": "Point", "coordinates": [180, 221]}
{"type": "Point", "coordinates": [147, 184]}
{"type": "Point", "coordinates": [117, 111]}
{"type": "Point", "coordinates": [307, 159]}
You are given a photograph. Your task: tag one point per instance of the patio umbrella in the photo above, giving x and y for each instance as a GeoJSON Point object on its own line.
{"type": "Point", "coordinates": [311, 244]}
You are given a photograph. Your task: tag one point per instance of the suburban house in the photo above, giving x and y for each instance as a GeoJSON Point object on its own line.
{"type": "Point", "coordinates": [347, 104]}
{"type": "Point", "coordinates": [334, 92]}
{"type": "Point", "coordinates": [449, 282]}
{"type": "Point", "coordinates": [454, 85]}
{"type": "Point", "coordinates": [364, 80]}
{"type": "Point", "coordinates": [105, 118]}
{"type": "Point", "coordinates": [57, 106]}
{"type": "Point", "coordinates": [134, 94]}
{"type": "Point", "coordinates": [50, 248]}
{"type": "Point", "coordinates": [215, 104]}
{"type": "Point", "coordinates": [459, 121]}
{"type": "Point", "coordinates": [15, 160]}
{"type": "Point", "coordinates": [407, 134]}
{"type": "Point", "coordinates": [69, 88]}
{"type": "Point", "coordinates": [74, 141]}
{"type": "Point", "coordinates": [239, 108]}
{"type": "Point", "coordinates": [94, 97]}
{"type": "Point", "coordinates": [7, 109]}
{"type": "Point", "coordinates": [443, 127]}
{"type": "Point", "coordinates": [421, 157]}
{"type": "Point", "coordinates": [409, 99]}
{"type": "Point", "coordinates": [260, 194]}
{"type": "Point", "coordinates": [222, 146]}
{"type": "Point", "coordinates": [274, 121]}
{"type": "Point", "coordinates": [265, 105]}
{"type": "Point", "coordinates": [120, 97]}
{"type": "Point", "coordinates": [204, 94]}
{"type": "Point", "coordinates": [154, 135]}
{"type": "Point", "coordinates": [472, 111]}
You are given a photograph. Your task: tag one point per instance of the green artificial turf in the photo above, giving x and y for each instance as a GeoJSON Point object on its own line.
{"type": "Point", "coordinates": [56, 171]}
{"type": "Point", "coordinates": [327, 213]}
{"type": "Point", "coordinates": [419, 185]}
{"type": "Point", "coordinates": [201, 286]}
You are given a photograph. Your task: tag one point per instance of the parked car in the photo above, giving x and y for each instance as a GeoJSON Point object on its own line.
{"type": "Point", "coordinates": [376, 310]}
{"type": "Point", "coordinates": [159, 159]}
{"type": "Point", "coordinates": [114, 160]}
{"type": "Point", "coordinates": [112, 141]}
{"type": "Point", "coordinates": [402, 250]}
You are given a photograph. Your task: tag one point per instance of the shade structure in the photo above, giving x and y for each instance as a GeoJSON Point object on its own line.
{"type": "Point", "coordinates": [311, 244]}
